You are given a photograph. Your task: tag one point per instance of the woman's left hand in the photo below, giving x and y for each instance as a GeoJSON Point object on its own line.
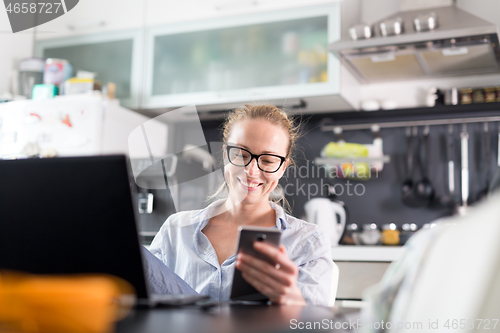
{"type": "Point", "coordinates": [278, 282]}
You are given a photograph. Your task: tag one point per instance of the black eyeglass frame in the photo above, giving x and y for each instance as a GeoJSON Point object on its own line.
{"type": "Point", "coordinates": [252, 156]}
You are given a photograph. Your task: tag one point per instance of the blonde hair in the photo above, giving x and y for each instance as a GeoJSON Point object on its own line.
{"type": "Point", "coordinates": [273, 115]}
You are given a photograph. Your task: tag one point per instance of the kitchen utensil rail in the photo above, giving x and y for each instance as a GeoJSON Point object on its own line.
{"type": "Point", "coordinates": [329, 128]}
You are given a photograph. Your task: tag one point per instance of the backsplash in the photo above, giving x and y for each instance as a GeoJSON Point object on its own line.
{"type": "Point", "coordinates": [379, 199]}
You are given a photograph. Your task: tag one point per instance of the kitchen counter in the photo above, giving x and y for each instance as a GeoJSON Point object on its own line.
{"type": "Point", "coordinates": [362, 253]}
{"type": "Point", "coordinates": [366, 253]}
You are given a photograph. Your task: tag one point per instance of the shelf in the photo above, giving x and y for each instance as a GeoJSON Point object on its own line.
{"type": "Point", "coordinates": [335, 161]}
{"type": "Point", "coordinates": [366, 253]}
{"type": "Point", "coordinates": [446, 113]}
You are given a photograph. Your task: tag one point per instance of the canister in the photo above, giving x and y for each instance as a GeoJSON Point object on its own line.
{"type": "Point", "coordinates": [390, 234]}
{"type": "Point", "coordinates": [490, 94]}
{"type": "Point", "coordinates": [409, 230]}
{"type": "Point", "coordinates": [349, 230]}
{"type": "Point", "coordinates": [466, 96]}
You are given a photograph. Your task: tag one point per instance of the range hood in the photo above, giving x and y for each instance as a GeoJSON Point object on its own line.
{"type": "Point", "coordinates": [462, 44]}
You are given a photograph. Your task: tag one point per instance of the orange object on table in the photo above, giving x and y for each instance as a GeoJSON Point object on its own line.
{"type": "Point", "coordinates": [57, 304]}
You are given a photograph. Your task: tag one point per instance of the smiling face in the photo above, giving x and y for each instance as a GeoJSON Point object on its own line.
{"type": "Point", "coordinates": [249, 184]}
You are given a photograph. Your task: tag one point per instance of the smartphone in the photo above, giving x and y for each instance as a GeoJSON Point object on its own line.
{"type": "Point", "coordinates": [247, 235]}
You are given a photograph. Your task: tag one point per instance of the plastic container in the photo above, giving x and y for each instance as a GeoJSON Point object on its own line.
{"type": "Point", "coordinates": [44, 91]}
{"type": "Point", "coordinates": [57, 71]}
{"type": "Point", "coordinates": [78, 86]}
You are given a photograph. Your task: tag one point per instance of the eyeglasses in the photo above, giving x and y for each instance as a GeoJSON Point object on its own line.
{"type": "Point", "coordinates": [266, 162]}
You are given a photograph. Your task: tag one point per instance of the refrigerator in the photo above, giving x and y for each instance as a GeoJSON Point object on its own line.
{"type": "Point", "coordinates": [84, 125]}
{"type": "Point", "coordinates": [74, 125]}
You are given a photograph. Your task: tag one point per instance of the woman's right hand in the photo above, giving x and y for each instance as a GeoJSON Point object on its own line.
{"type": "Point", "coordinates": [278, 282]}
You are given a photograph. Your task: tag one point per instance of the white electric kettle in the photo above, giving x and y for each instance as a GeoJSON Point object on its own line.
{"type": "Point", "coordinates": [328, 215]}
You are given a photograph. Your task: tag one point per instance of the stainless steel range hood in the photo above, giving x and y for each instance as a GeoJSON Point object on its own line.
{"type": "Point", "coordinates": [462, 44]}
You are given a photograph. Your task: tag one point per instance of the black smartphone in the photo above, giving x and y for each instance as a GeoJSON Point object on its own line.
{"type": "Point", "coordinates": [247, 235]}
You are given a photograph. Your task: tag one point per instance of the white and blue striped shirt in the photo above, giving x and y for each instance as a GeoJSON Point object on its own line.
{"type": "Point", "coordinates": [182, 246]}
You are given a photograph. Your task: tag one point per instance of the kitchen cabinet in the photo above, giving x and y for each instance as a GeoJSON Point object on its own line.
{"type": "Point", "coordinates": [269, 55]}
{"type": "Point", "coordinates": [355, 277]}
{"type": "Point", "coordinates": [94, 16]}
{"type": "Point", "coordinates": [113, 56]}
{"type": "Point", "coordinates": [258, 56]}
{"type": "Point", "coordinates": [361, 267]}
{"type": "Point", "coordinates": [160, 12]}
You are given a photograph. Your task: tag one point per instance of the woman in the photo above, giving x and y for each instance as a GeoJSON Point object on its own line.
{"type": "Point", "coordinates": [199, 246]}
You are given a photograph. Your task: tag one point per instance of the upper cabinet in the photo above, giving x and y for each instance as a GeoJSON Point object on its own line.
{"type": "Point", "coordinates": [159, 12]}
{"type": "Point", "coordinates": [95, 16]}
{"type": "Point", "coordinates": [113, 56]}
{"type": "Point", "coordinates": [222, 58]}
{"type": "Point", "coordinates": [104, 37]}
{"type": "Point", "coordinates": [267, 55]}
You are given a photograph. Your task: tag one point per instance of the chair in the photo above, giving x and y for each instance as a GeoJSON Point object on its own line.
{"type": "Point", "coordinates": [457, 275]}
{"type": "Point", "coordinates": [451, 272]}
{"type": "Point", "coordinates": [335, 284]}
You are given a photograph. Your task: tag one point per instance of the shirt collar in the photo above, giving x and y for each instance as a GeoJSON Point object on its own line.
{"type": "Point", "coordinates": [281, 218]}
{"type": "Point", "coordinates": [205, 214]}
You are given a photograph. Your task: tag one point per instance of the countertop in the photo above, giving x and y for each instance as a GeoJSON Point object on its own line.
{"type": "Point", "coordinates": [363, 253]}
{"type": "Point", "coordinates": [366, 253]}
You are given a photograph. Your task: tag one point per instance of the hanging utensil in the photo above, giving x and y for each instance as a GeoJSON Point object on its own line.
{"type": "Point", "coordinates": [408, 186]}
{"type": "Point", "coordinates": [451, 161]}
{"type": "Point", "coordinates": [495, 182]}
{"type": "Point", "coordinates": [498, 155]}
{"type": "Point", "coordinates": [464, 137]}
{"type": "Point", "coordinates": [423, 188]}
{"type": "Point", "coordinates": [449, 199]}
{"type": "Point", "coordinates": [486, 159]}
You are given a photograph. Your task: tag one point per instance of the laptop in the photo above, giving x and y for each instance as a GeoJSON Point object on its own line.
{"type": "Point", "coordinates": [74, 215]}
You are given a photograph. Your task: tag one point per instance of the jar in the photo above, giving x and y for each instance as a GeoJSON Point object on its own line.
{"type": "Point", "coordinates": [490, 94]}
{"type": "Point", "coordinates": [369, 236]}
{"type": "Point", "coordinates": [466, 96]}
{"type": "Point", "coordinates": [390, 234]}
{"type": "Point", "coordinates": [349, 230]}
{"type": "Point", "coordinates": [478, 95]}
{"type": "Point", "coordinates": [409, 230]}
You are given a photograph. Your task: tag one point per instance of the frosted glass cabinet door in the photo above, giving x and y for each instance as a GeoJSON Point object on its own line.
{"type": "Point", "coordinates": [258, 56]}
{"type": "Point", "coordinates": [111, 56]}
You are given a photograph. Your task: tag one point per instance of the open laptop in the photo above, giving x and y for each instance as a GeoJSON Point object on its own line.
{"type": "Point", "coordinates": [73, 215]}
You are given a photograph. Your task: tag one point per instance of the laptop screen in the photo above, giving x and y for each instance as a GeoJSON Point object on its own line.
{"type": "Point", "coordinates": [69, 215]}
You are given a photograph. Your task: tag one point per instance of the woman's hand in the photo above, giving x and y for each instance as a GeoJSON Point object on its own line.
{"type": "Point", "coordinates": [279, 281]}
